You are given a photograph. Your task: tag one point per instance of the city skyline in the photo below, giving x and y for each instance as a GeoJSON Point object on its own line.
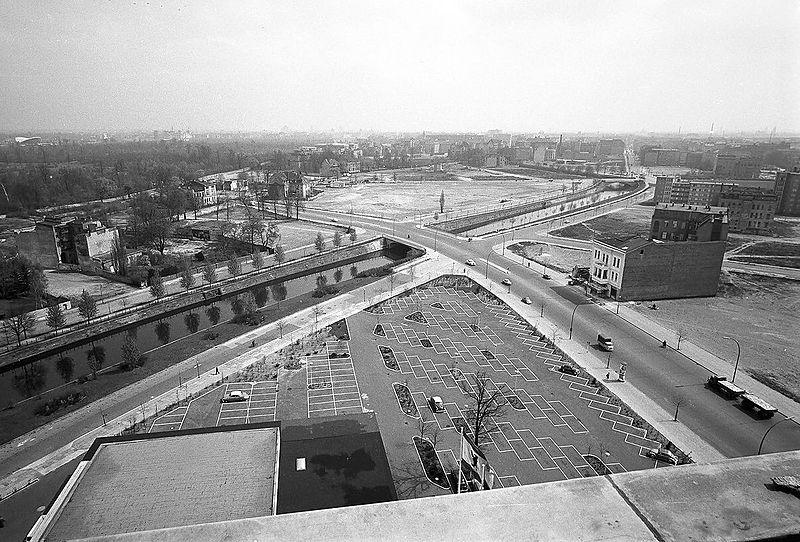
{"type": "Point", "coordinates": [521, 67]}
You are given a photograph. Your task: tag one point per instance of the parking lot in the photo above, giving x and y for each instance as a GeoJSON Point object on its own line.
{"type": "Point", "coordinates": [555, 426]}
{"type": "Point", "coordinates": [331, 382]}
{"type": "Point", "coordinates": [207, 410]}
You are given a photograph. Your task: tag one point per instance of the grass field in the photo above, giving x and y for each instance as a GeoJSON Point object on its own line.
{"type": "Point", "coordinates": [560, 259]}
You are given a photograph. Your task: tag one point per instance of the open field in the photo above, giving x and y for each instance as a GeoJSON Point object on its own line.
{"type": "Point", "coordinates": [627, 222]}
{"type": "Point", "coordinates": [406, 198]}
{"type": "Point", "coordinates": [558, 258]}
{"type": "Point", "coordinates": [761, 312]}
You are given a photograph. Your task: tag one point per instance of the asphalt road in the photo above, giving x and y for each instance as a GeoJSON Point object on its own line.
{"type": "Point", "coordinates": [666, 376]}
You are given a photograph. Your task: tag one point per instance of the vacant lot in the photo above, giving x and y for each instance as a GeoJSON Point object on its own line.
{"type": "Point", "coordinates": [761, 312]}
{"type": "Point", "coordinates": [560, 259]}
{"type": "Point", "coordinates": [405, 199]}
{"type": "Point", "coordinates": [625, 223]}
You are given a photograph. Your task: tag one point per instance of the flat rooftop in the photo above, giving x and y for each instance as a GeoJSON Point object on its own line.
{"type": "Point", "coordinates": [168, 480]}
{"type": "Point", "coordinates": [732, 499]}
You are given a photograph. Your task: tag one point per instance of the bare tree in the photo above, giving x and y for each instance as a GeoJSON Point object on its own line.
{"type": "Point", "coordinates": [119, 256]}
{"type": "Point", "coordinates": [488, 404]}
{"type": "Point", "coordinates": [95, 357]}
{"type": "Point", "coordinates": [280, 254]}
{"type": "Point", "coordinates": [441, 202]}
{"type": "Point", "coordinates": [234, 266]}
{"type": "Point", "coordinates": [87, 306]}
{"type": "Point", "coordinates": [428, 428]}
{"type": "Point", "coordinates": [20, 325]}
{"type": "Point", "coordinates": [55, 318]}
{"type": "Point", "coordinates": [187, 275]}
{"type": "Point", "coordinates": [209, 272]}
{"type": "Point", "coordinates": [319, 242]}
{"type": "Point", "coordinates": [157, 286]}
{"type": "Point", "coordinates": [37, 285]}
{"type": "Point", "coordinates": [257, 259]}
{"type": "Point", "coordinates": [130, 352]}
{"type": "Point", "coordinates": [353, 236]}
{"type": "Point", "coordinates": [337, 239]}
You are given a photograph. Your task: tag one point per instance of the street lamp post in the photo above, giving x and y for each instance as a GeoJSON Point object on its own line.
{"type": "Point", "coordinates": [770, 429]}
{"type": "Point", "coordinates": [572, 320]}
{"type": "Point", "coordinates": [738, 353]}
{"type": "Point", "coordinates": [504, 244]}
{"type": "Point", "coordinates": [487, 263]}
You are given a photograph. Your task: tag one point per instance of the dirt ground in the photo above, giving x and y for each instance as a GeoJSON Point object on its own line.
{"type": "Point", "coordinates": [72, 284]}
{"type": "Point", "coordinates": [561, 259]}
{"type": "Point", "coordinates": [412, 195]}
{"type": "Point", "coordinates": [762, 313]}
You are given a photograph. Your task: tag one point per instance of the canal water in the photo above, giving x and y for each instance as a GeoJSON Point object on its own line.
{"type": "Point", "coordinates": [50, 372]}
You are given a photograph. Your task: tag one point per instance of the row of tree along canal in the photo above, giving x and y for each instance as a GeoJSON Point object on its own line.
{"type": "Point", "coordinates": [83, 358]}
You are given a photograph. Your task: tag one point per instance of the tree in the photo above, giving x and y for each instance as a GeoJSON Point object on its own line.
{"type": "Point", "coordinates": [130, 352]}
{"type": "Point", "coordinates": [20, 325]}
{"type": "Point", "coordinates": [319, 242]}
{"type": "Point", "coordinates": [37, 285]}
{"type": "Point", "coordinates": [209, 272]}
{"type": "Point", "coordinates": [55, 318]}
{"type": "Point", "coordinates": [271, 235]}
{"type": "Point", "coordinates": [488, 404]}
{"type": "Point", "coordinates": [234, 267]}
{"type": "Point", "coordinates": [257, 258]}
{"type": "Point", "coordinates": [87, 306]}
{"type": "Point", "coordinates": [157, 286]}
{"type": "Point", "coordinates": [95, 357]}
{"type": "Point", "coordinates": [119, 256]}
{"type": "Point", "coordinates": [66, 367]}
{"type": "Point", "coordinates": [353, 236]}
{"type": "Point", "coordinates": [441, 202]}
{"type": "Point", "coordinates": [280, 254]}
{"type": "Point", "coordinates": [187, 275]}
{"type": "Point", "coordinates": [337, 239]}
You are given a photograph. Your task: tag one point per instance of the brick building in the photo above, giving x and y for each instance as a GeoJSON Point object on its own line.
{"type": "Point", "coordinates": [749, 210]}
{"type": "Point", "coordinates": [787, 190]}
{"type": "Point", "coordinates": [681, 258]}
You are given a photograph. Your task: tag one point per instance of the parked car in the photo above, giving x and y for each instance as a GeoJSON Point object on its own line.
{"type": "Point", "coordinates": [436, 404]}
{"type": "Point", "coordinates": [507, 282]}
{"type": "Point", "coordinates": [235, 396]}
{"type": "Point", "coordinates": [546, 276]}
{"type": "Point", "coordinates": [660, 454]}
{"type": "Point", "coordinates": [568, 369]}
{"type": "Point", "coordinates": [527, 300]}
{"type": "Point", "coordinates": [470, 262]}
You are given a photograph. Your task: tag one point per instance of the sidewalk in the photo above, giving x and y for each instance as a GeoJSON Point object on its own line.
{"type": "Point", "coordinates": [688, 349]}
{"type": "Point", "coordinates": [235, 355]}
{"type": "Point", "coordinates": [229, 358]}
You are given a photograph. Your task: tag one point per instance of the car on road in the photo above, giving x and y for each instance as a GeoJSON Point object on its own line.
{"type": "Point", "coordinates": [546, 276]}
{"type": "Point", "coordinates": [568, 369]}
{"type": "Point", "coordinates": [235, 396]}
{"type": "Point", "coordinates": [527, 300]}
{"type": "Point", "coordinates": [507, 282]}
{"type": "Point", "coordinates": [660, 454]}
{"type": "Point", "coordinates": [470, 262]}
{"type": "Point", "coordinates": [436, 404]}
{"type": "Point", "coordinates": [334, 220]}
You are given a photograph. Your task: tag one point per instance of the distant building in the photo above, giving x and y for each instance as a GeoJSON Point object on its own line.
{"type": "Point", "coordinates": [662, 157]}
{"type": "Point", "coordinates": [749, 210]}
{"type": "Point", "coordinates": [68, 241]}
{"type": "Point", "coordinates": [609, 147]}
{"type": "Point", "coordinates": [204, 192]}
{"type": "Point", "coordinates": [291, 184]}
{"type": "Point", "coordinates": [731, 166]}
{"type": "Point", "coordinates": [349, 166]}
{"type": "Point", "coordinates": [495, 160]}
{"type": "Point", "coordinates": [329, 168]}
{"type": "Point", "coordinates": [681, 258]}
{"type": "Point", "coordinates": [671, 222]}
{"type": "Point", "coordinates": [787, 190]}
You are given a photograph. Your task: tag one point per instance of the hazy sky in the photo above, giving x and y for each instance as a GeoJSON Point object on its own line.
{"type": "Point", "coordinates": [402, 65]}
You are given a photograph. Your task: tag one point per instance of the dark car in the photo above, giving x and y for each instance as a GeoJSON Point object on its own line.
{"type": "Point", "coordinates": [568, 369]}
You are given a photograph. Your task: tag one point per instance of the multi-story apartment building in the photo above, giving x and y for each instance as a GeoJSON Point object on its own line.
{"type": "Point", "coordinates": [681, 258]}
{"type": "Point", "coordinates": [787, 189]}
{"type": "Point", "coordinates": [749, 210]}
